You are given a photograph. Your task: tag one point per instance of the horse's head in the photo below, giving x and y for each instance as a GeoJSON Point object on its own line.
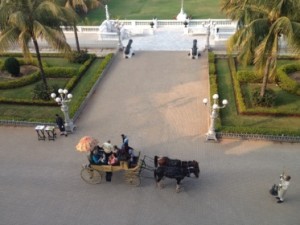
{"type": "Point", "coordinates": [162, 161]}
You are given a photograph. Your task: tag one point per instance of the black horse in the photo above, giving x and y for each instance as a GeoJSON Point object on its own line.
{"type": "Point", "coordinates": [178, 173]}
{"type": "Point", "coordinates": [165, 161]}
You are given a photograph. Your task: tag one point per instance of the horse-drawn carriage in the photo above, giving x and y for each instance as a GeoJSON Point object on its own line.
{"type": "Point", "coordinates": [92, 173]}
{"type": "Point", "coordinates": [161, 167]}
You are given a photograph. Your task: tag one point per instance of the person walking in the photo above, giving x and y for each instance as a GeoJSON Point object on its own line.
{"type": "Point", "coordinates": [282, 187]}
{"type": "Point", "coordinates": [61, 125]}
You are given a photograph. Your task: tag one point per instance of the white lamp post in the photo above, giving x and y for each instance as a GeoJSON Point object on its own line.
{"type": "Point", "coordinates": [119, 26]}
{"type": "Point", "coordinates": [62, 100]}
{"type": "Point", "coordinates": [208, 32]}
{"type": "Point", "coordinates": [211, 134]}
{"type": "Point", "coordinates": [208, 37]}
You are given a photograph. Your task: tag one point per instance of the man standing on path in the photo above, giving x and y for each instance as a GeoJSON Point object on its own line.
{"type": "Point", "coordinates": [282, 187]}
{"type": "Point", "coordinates": [61, 125]}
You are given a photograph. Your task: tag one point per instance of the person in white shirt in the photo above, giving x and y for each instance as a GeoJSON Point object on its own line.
{"type": "Point", "coordinates": [108, 147]}
{"type": "Point", "coordinates": [282, 187]}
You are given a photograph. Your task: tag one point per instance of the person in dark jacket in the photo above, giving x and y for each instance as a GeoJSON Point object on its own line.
{"type": "Point", "coordinates": [61, 125]}
{"type": "Point", "coordinates": [125, 142]}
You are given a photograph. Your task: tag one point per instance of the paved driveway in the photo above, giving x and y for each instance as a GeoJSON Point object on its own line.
{"type": "Point", "coordinates": [156, 99]}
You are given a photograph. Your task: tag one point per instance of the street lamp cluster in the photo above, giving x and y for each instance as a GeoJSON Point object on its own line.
{"type": "Point", "coordinates": [208, 32]}
{"type": "Point", "coordinates": [211, 134]}
{"type": "Point", "coordinates": [63, 99]}
{"type": "Point", "coordinates": [118, 25]}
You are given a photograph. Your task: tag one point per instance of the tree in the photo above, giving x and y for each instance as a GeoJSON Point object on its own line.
{"type": "Point", "coordinates": [79, 6]}
{"type": "Point", "coordinates": [22, 21]}
{"type": "Point", "coordinates": [260, 25]}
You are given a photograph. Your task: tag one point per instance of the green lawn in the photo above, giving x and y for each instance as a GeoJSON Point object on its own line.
{"type": "Point", "coordinates": [26, 91]}
{"type": "Point", "coordinates": [59, 62]}
{"type": "Point", "coordinates": [147, 9]}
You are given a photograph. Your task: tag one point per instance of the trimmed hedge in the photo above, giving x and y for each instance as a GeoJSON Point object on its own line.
{"type": "Point", "coordinates": [241, 106]}
{"type": "Point", "coordinates": [260, 130]}
{"type": "Point", "coordinates": [213, 81]}
{"type": "Point", "coordinates": [20, 82]}
{"type": "Point", "coordinates": [26, 102]}
{"type": "Point", "coordinates": [76, 105]}
{"type": "Point", "coordinates": [247, 76]}
{"type": "Point", "coordinates": [212, 73]}
{"type": "Point", "coordinates": [60, 72]}
{"type": "Point", "coordinates": [285, 82]}
{"type": "Point", "coordinates": [75, 79]}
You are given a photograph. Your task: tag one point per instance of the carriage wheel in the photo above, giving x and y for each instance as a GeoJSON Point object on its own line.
{"type": "Point", "coordinates": [133, 180]}
{"type": "Point", "coordinates": [91, 175]}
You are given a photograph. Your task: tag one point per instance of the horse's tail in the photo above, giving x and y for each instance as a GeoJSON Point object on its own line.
{"type": "Point", "coordinates": [155, 160]}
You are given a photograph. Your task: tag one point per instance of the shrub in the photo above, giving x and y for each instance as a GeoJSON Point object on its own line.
{"type": "Point", "coordinates": [40, 92]}
{"type": "Point", "coordinates": [211, 57]}
{"type": "Point", "coordinates": [236, 85]}
{"type": "Point", "coordinates": [267, 100]}
{"type": "Point", "coordinates": [285, 82]}
{"type": "Point", "coordinates": [1, 65]}
{"type": "Point", "coordinates": [248, 76]}
{"type": "Point", "coordinates": [78, 57]}
{"type": "Point", "coordinates": [59, 72]}
{"type": "Point", "coordinates": [12, 65]}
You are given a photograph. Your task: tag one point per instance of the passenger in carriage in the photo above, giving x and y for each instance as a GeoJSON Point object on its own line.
{"type": "Point", "coordinates": [122, 153]}
{"type": "Point", "coordinates": [113, 160]}
{"type": "Point", "coordinates": [108, 148]}
{"type": "Point", "coordinates": [133, 157]}
{"type": "Point", "coordinates": [98, 156]}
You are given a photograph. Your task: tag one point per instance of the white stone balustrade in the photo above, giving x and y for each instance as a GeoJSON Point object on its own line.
{"type": "Point", "coordinates": [107, 36]}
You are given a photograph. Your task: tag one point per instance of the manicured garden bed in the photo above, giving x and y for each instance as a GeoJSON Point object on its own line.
{"type": "Point", "coordinates": [16, 104]}
{"type": "Point", "coordinates": [281, 119]}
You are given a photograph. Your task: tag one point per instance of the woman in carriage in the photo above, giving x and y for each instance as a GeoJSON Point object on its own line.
{"type": "Point", "coordinates": [98, 156]}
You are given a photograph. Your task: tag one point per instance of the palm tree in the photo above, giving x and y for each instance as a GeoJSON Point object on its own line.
{"type": "Point", "coordinates": [22, 21]}
{"type": "Point", "coordinates": [261, 24]}
{"type": "Point", "coordinates": [83, 5]}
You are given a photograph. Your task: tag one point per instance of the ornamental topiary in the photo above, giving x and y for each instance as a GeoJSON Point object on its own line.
{"type": "Point", "coordinates": [12, 66]}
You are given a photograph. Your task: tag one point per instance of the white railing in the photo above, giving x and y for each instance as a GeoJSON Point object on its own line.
{"type": "Point", "coordinates": [160, 24]}
{"type": "Point", "coordinates": [108, 36]}
{"type": "Point", "coordinates": [219, 29]}
{"type": "Point", "coordinates": [81, 29]}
